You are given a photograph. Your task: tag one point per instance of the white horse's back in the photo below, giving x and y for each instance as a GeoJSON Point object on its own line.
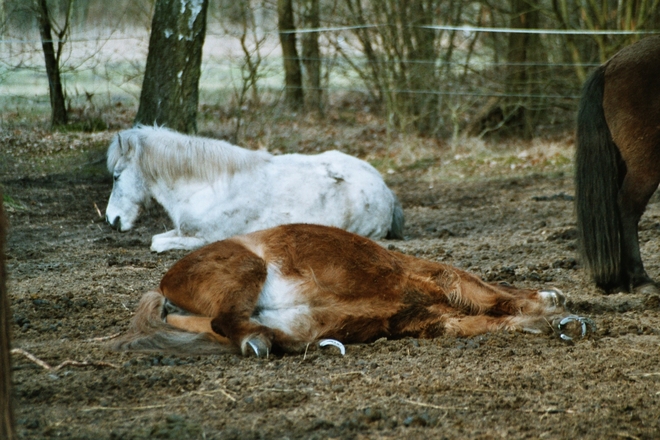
{"type": "Point", "coordinates": [330, 179]}
{"type": "Point", "coordinates": [213, 190]}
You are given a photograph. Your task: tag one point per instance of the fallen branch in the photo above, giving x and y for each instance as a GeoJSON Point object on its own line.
{"type": "Point", "coordinates": [98, 211]}
{"type": "Point", "coordinates": [208, 393]}
{"type": "Point", "coordinates": [120, 408]}
{"type": "Point", "coordinates": [644, 374]}
{"type": "Point", "coordinates": [102, 338]}
{"type": "Point", "coordinates": [67, 362]}
{"type": "Point", "coordinates": [428, 405]}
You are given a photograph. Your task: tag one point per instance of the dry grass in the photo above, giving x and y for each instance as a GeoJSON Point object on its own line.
{"type": "Point", "coordinates": [29, 148]}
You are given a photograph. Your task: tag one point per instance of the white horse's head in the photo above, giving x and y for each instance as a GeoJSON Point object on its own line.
{"type": "Point", "coordinates": [129, 189]}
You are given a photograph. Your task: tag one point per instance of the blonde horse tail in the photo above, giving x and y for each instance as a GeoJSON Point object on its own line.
{"type": "Point", "coordinates": [396, 229]}
{"type": "Point", "coordinates": [148, 332]}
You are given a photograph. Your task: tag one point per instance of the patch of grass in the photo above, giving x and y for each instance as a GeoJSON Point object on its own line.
{"type": "Point", "coordinates": [12, 205]}
{"type": "Point", "coordinates": [87, 125]}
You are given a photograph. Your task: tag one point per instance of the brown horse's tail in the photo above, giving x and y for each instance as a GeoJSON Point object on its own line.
{"type": "Point", "coordinates": [149, 333]}
{"type": "Point", "coordinates": [598, 167]}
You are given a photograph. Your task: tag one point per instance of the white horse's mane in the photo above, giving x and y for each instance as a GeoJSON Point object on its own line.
{"type": "Point", "coordinates": [167, 155]}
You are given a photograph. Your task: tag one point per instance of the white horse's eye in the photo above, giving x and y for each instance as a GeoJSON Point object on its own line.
{"type": "Point", "coordinates": [116, 177]}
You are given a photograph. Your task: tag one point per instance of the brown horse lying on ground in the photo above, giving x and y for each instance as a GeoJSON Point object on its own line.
{"type": "Point", "coordinates": [293, 285]}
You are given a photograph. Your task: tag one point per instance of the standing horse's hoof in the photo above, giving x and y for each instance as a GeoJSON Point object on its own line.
{"type": "Point", "coordinates": [255, 345]}
{"type": "Point", "coordinates": [647, 289]}
{"type": "Point", "coordinates": [574, 327]}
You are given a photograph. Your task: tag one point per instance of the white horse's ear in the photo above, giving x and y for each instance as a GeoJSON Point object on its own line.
{"type": "Point", "coordinates": [125, 144]}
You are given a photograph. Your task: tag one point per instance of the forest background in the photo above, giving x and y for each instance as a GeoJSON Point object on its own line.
{"type": "Point", "coordinates": [439, 68]}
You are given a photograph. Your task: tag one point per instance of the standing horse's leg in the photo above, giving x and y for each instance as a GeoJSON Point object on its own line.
{"type": "Point", "coordinates": [637, 188]}
{"type": "Point", "coordinates": [631, 103]}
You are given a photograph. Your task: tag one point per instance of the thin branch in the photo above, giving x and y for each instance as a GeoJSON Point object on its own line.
{"type": "Point", "coordinates": [66, 363]}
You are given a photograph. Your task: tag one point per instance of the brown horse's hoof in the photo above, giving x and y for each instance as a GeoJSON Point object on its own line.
{"type": "Point", "coordinates": [333, 343]}
{"type": "Point", "coordinates": [256, 345]}
{"type": "Point", "coordinates": [573, 327]}
{"type": "Point", "coordinates": [647, 289]}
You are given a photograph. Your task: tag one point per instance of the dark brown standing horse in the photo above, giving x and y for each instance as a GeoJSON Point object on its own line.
{"type": "Point", "coordinates": [618, 164]}
{"type": "Point", "coordinates": [6, 413]}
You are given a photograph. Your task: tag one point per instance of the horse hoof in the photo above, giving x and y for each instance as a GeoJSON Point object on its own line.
{"type": "Point", "coordinates": [169, 308]}
{"type": "Point", "coordinates": [574, 327]}
{"type": "Point", "coordinates": [553, 297]}
{"type": "Point", "coordinates": [255, 345]}
{"type": "Point", "coordinates": [333, 343]}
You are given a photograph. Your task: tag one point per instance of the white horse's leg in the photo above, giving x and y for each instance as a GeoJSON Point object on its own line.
{"type": "Point", "coordinates": [171, 240]}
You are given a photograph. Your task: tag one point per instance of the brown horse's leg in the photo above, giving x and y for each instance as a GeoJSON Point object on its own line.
{"type": "Point", "coordinates": [222, 281]}
{"type": "Point", "coordinates": [631, 105]}
{"type": "Point", "coordinates": [461, 304]}
{"type": "Point", "coordinates": [195, 324]}
{"type": "Point", "coordinates": [480, 324]}
{"type": "Point", "coordinates": [633, 198]}
{"type": "Point", "coordinates": [473, 296]}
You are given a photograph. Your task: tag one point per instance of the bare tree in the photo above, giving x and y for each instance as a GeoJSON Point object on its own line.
{"type": "Point", "coordinates": [521, 109]}
{"type": "Point", "coordinates": [251, 40]}
{"type": "Point", "coordinates": [292, 69]}
{"type": "Point", "coordinates": [518, 109]}
{"type": "Point", "coordinates": [590, 15]}
{"type": "Point", "coordinates": [401, 57]}
{"type": "Point", "coordinates": [53, 57]}
{"type": "Point", "coordinates": [6, 409]}
{"type": "Point", "coordinates": [311, 53]}
{"type": "Point", "coordinates": [170, 89]}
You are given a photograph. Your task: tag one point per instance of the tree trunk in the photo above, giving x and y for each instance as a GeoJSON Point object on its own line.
{"type": "Point", "coordinates": [170, 90]}
{"type": "Point", "coordinates": [292, 69]}
{"type": "Point", "coordinates": [6, 409]}
{"type": "Point", "coordinates": [422, 56]}
{"type": "Point", "coordinates": [520, 110]}
{"type": "Point", "coordinates": [522, 76]}
{"type": "Point", "coordinates": [57, 104]}
{"type": "Point", "coordinates": [312, 54]}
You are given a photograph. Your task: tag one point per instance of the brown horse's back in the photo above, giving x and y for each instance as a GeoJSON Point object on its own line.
{"type": "Point", "coordinates": [631, 101]}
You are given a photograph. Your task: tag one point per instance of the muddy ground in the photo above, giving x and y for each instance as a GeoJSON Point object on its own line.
{"type": "Point", "coordinates": [74, 281]}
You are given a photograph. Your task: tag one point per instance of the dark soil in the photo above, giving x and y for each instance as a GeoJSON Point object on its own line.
{"type": "Point", "coordinates": [73, 279]}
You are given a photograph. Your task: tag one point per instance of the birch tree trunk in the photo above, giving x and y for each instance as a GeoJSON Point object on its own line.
{"type": "Point", "coordinates": [170, 90]}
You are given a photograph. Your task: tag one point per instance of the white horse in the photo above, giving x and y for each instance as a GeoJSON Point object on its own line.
{"type": "Point", "coordinates": [213, 190]}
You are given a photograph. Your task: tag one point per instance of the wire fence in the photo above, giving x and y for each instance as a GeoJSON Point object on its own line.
{"type": "Point", "coordinates": [106, 69]}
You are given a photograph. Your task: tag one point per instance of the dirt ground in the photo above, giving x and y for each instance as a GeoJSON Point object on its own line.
{"type": "Point", "coordinates": [73, 280]}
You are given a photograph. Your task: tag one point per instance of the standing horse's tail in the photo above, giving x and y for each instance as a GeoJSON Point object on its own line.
{"type": "Point", "coordinates": [149, 333]}
{"type": "Point", "coordinates": [396, 229]}
{"type": "Point", "coordinates": [598, 167]}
